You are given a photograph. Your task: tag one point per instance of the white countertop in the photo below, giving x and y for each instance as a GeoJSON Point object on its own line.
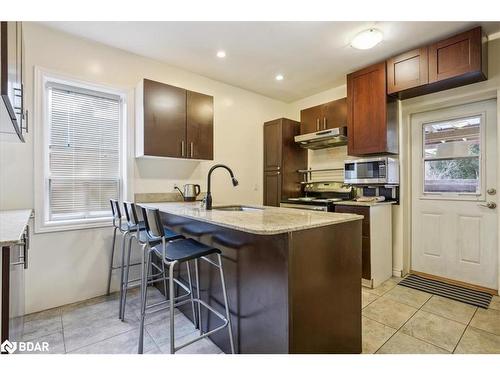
{"type": "Point", "coordinates": [12, 225]}
{"type": "Point", "coordinates": [264, 221]}
{"type": "Point", "coordinates": [366, 204]}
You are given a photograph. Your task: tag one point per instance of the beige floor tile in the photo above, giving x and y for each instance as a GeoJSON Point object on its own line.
{"type": "Point", "coordinates": [389, 312]}
{"type": "Point", "coordinates": [374, 335]}
{"type": "Point", "coordinates": [434, 329]}
{"type": "Point", "coordinates": [450, 309]}
{"type": "Point", "coordinates": [367, 298]}
{"type": "Point", "coordinates": [384, 287]}
{"type": "Point", "coordinates": [487, 320]}
{"type": "Point", "coordinates": [495, 303]}
{"type": "Point", "coordinates": [401, 343]}
{"type": "Point", "coordinates": [55, 341]}
{"type": "Point", "coordinates": [42, 323]}
{"type": "Point", "coordinates": [476, 341]}
{"type": "Point", "coordinates": [412, 297]}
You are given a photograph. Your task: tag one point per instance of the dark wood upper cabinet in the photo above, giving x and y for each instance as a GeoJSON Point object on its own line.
{"type": "Point", "coordinates": [273, 142]}
{"type": "Point", "coordinates": [371, 114]}
{"type": "Point", "coordinates": [200, 126]}
{"type": "Point", "coordinates": [335, 114]}
{"type": "Point", "coordinates": [282, 158]}
{"type": "Point", "coordinates": [11, 77]}
{"type": "Point", "coordinates": [452, 62]}
{"type": "Point", "coordinates": [324, 116]}
{"type": "Point", "coordinates": [173, 122]}
{"type": "Point", "coordinates": [164, 120]}
{"type": "Point", "coordinates": [407, 71]}
{"type": "Point", "coordinates": [459, 56]}
{"type": "Point", "coordinates": [311, 119]}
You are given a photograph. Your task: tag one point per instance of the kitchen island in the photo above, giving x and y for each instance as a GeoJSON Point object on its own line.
{"type": "Point", "coordinates": [293, 276]}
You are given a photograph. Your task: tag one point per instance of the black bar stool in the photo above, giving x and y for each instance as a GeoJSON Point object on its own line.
{"type": "Point", "coordinates": [136, 230]}
{"type": "Point", "coordinates": [118, 225]}
{"type": "Point", "coordinates": [172, 253]}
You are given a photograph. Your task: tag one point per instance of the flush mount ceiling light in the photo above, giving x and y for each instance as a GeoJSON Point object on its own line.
{"type": "Point", "coordinates": [367, 39]}
{"type": "Point", "coordinates": [279, 77]}
{"type": "Point", "coordinates": [221, 54]}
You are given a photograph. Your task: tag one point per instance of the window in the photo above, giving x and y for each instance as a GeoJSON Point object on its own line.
{"type": "Point", "coordinates": [83, 155]}
{"type": "Point", "coordinates": [452, 156]}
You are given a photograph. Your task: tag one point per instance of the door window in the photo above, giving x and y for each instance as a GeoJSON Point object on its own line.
{"type": "Point", "coordinates": [452, 156]}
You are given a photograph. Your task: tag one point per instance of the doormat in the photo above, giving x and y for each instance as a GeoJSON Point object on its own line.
{"type": "Point", "coordinates": [457, 293]}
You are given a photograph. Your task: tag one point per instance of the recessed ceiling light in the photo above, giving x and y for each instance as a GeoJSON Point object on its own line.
{"type": "Point", "coordinates": [221, 54]}
{"type": "Point", "coordinates": [367, 39]}
{"type": "Point", "coordinates": [279, 77]}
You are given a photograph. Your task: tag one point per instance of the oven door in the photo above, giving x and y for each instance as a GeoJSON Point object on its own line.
{"type": "Point", "coordinates": [304, 206]}
{"type": "Point", "coordinates": [365, 171]}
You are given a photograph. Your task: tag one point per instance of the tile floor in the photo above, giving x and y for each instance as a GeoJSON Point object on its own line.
{"type": "Point", "coordinates": [93, 327]}
{"type": "Point", "coordinates": [395, 319]}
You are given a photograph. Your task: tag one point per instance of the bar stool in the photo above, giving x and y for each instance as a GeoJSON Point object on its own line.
{"type": "Point", "coordinates": [172, 253]}
{"type": "Point", "coordinates": [136, 230]}
{"type": "Point", "coordinates": [120, 226]}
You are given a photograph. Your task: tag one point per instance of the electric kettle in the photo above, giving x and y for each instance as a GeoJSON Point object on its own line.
{"type": "Point", "coordinates": [191, 191]}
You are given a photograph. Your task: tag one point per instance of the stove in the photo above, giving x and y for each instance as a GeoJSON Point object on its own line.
{"type": "Point", "coordinates": [320, 196]}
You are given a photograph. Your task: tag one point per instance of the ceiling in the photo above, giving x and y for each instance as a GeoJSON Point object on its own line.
{"type": "Point", "coordinates": [312, 56]}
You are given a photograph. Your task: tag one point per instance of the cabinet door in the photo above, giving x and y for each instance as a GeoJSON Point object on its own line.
{"type": "Point", "coordinates": [272, 145]}
{"type": "Point", "coordinates": [272, 188]}
{"type": "Point", "coordinates": [367, 106]}
{"type": "Point", "coordinates": [311, 119]}
{"type": "Point", "coordinates": [11, 68]}
{"type": "Point", "coordinates": [365, 240]}
{"type": "Point", "coordinates": [408, 70]}
{"type": "Point", "coordinates": [455, 56]}
{"type": "Point", "coordinates": [164, 120]}
{"type": "Point", "coordinates": [334, 114]}
{"type": "Point", "coordinates": [200, 126]}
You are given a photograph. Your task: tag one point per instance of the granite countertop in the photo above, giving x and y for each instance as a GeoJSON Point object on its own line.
{"type": "Point", "coordinates": [366, 204]}
{"type": "Point", "coordinates": [12, 224]}
{"type": "Point", "coordinates": [263, 220]}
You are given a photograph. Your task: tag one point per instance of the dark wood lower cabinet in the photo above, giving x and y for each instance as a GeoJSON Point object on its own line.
{"type": "Point", "coordinates": [297, 292]}
{"type": "Point", "coordinates": [365, 241]}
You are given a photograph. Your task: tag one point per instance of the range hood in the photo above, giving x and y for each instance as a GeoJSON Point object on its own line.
{"type": "Point", "coordinates": [323, 139]}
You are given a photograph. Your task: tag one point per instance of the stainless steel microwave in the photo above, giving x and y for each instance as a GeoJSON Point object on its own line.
{"type": "Point", "coordinates": [377, 170]}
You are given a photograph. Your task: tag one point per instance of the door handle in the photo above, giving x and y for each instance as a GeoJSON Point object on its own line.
{"type": "Point", "coordinates": [192, 149]}
{"type": "Point", "coordinates": [490, 205]}
{"type": "Point", "coordinates": [182, 148]}
{"type": "Point", "coordinates": [317, 124]}
{"type": "Point", "coordinates": [324, 122]}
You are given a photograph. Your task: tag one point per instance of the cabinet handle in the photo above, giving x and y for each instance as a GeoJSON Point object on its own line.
{"type": "Point", "coordinates": [182, 148]}
{"type": "Point", "coordinates": [192, 149]}
{"type": "Point", "coordinates": [317, 124]}
{"type": "Point", "coordinates": [26, 118]}
{"type": "Point", "coordinates": [324, 122]}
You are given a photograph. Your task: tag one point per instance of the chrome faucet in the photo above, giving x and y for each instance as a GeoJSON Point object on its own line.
{"type": "Point", "coordinates": [208, 198]}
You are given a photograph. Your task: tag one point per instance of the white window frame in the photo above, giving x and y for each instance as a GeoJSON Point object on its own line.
{"type": "Point", "coordinates": [478, 196]}
{"type": "Point", "coordinates": [41, 156]}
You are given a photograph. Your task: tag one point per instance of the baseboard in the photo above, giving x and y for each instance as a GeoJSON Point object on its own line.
{"type": "Point", "coordinates": [397, 273]}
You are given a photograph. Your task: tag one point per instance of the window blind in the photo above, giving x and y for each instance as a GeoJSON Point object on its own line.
{"type": "Point", "coordinates": [84, 153]}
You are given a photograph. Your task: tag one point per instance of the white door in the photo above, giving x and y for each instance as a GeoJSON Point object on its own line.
{"type": "Point", "coordinates": [454, 215]}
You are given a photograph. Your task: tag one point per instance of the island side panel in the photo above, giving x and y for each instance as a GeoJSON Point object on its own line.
{"type": "Point", "coordinates": [325, 289]}
{"type": "Point", "coordinates": [256, 272]}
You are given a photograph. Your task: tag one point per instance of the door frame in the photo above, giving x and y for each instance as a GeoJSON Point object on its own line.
{"type": "Point", "coordinates": [431, 103]}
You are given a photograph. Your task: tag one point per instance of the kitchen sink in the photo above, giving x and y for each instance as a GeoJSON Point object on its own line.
{"type": "Point", "coordinates": [237, 208]}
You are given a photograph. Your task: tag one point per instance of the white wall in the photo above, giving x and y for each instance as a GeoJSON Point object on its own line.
{"type": "Point", "coordinates": [71, 266]}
